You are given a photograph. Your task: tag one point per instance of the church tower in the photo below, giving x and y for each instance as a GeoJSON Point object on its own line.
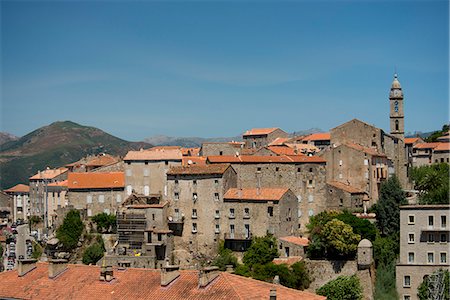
{"type": "Point", "coordinates": [397, 117]}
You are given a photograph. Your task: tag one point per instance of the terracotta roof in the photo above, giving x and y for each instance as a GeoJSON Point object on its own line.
{"type": "Point", "coordinates": [367, 150]}
{"type": "Point", "coordinates": [190, 151]}
{"type": "Point", "coordinates": [262, 194]}
{"type": "Point", "coordinates": [19, 188]}
{"type": "Point", "coordinates": [155, 154]}
{"type": "Point", "coordinates": [60, 183]}
{"type": "Point", "coordinates": [279, 141]}
{"type": "Point", "coordinates": [82, 282]}
{"type": "Point", "coordinates": [348, 188]}
{"type": "Point", "coordinates": [195, 160]}
{"type": "Point", "coordinates": [300, 241]}
{"type": "Point", "coordinates": [102, 160]}
{"type": "Point", "coordinates": [96, 180]}
{"type": "Point", "coordinates": [287, 260]}
{"type": "Point", "coordinates": [426, 145]}
{"type": "Point", "coordinates": [264, 159]}
{"type": "Point", "coordinates": [322, 136]}
{"type": "Point", "coordinates": [283, 150]}
{"type": "Point", "coordinates": [48, 174]}
{"type": "Point", "coordinates": [411, 140]}
{"type": "Point", "coordinates": [259, 131]}
{"type": "Point", "coordinates": [199, 169]}
{"type": "Point", "coordinates": [442, 147]}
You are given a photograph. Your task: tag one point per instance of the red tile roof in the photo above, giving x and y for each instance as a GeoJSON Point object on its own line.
{"type": "Point", "coordinates": [190, 151]}
{"type": "Point", "coordinates": [442, 147]}
{"type": "Point", "coordinates": [48, 174]}
{"type": "Point", "coordinates": [300, 241]}
{"type": "Point", "coordinates": [426, 145]}
{"type": "Point", "coordinates": [155, 154]}
{"type": "Point", "coordinates": [348, 188]}
{"type": "Point", "coordinates": [279, 141]}
{"type": "Point", "coordinates": [96, 180]}
{"type": "Point", "coordinates": [264, 159]}
{"type": "Point", "coordinates": [283, 150]}
{"type": "Point", "coordinates": [262, 194]}
{"type": "Point", "coordinates": [216, 169]}
{"type": "Point", "coordinates": [322, 136]}
{"type": "Point", "coordinates": [193, 160]}
{"type": "Point", "coordinates": [60, 183]}
{"type": "Point", "coordinates": [82, 282]}
{"type": "Point", "coordinates": [411, 140]}
{"type": "Point", "coordinates": [367, 150]}
{"type": "Point", "coordinates": [287, 260]}
{"type": "Point", "coordinates": [19, 188]}
{"type": "Point", "coordinates": [259, 131]}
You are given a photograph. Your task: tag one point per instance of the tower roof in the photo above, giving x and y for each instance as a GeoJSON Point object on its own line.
{"type": "Point", "coordinates": [395, 83]}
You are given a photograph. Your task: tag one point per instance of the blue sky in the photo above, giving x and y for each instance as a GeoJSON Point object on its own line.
{"type": "Point", "coordinates": [213, 68]}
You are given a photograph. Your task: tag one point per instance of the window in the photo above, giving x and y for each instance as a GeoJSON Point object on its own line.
{"type": "Point", "coordinates": [310, 170]}
{"type": "Point", "coordinates": [89, 199]}
{"type": "Point", "coordinates": [220, 152]}
{"type": "Point", "coordinates": [231, 213]}
{"type": "Point", "coordinates": [216, 196]}
{"type": "Point", "coordinates": [177, 213]}
{"type": "Point", "coordinates": [176, 183]}
{"type": "Point", "coordinates": [217, 215]}
{"type": "Point", "coordinates": [311, 213]}
{"type": "Point", "coordinates": [146, 190]}
{"type": "Point", "coordinates": [443, 256]}
{"type": "Point", "coordinates": [217, 229]}
{"type": "Point", "coordinates": [270, 211]}
{"type": "Point", "coordinates": [246, 212]}
{"type": "Point", "coordinates": [118, 198]}
{"type": "Point", "coordinates": [411, 219]}
{"type": "Point", "coordinates": [194, 227]}
{"type": "Point", "coordinates": [341, 202]}
{"type": "Point", "coordinates": [396, 125]}
{"type": "Point", "coordinates": [406, 281]}
{"type": "Point", "coordinates": [298, 170]}
{"type": "Point", "coordinates": [153, 217]}
{"type": "Point", "coordinates": [146, 172]}
{"type": "Point", "coordinates": [277, 169]}
{"type": "Point", "coordinates": [430, 257]}
{"type": "Point", "coordinates": [166, 163]}
{"type": "Point", "coordinates": [247, 231]}
{"type": "Point", "coordinates": [176, 196]}
{"type": "Point", "coordinates": [232, 231]}
{"type": "Point", "coordinates": [431, 238]}
{"type": "Point", "coordinates": [406, 297]}
{"type": "Point", "coordinates": [159, 237]}
{"type": "Point", "coordinates": [410, 257]}
{"type": "Point", "coordinates": [430, 221]}
{"type": "Point", "coordinates": [89, 212]}
{"type": "Point", "coordinates": [258, 169]}
{"type": "Point", "coordinates": [366, 162]}
{"type": "Point", "coordinates": [194, 196]}
{"type": "Point", "coordinates": [310, 183]}
{"type": "Point", "coordinates": [194, 213]}
{"type": "Point", "coordinates": [299, 213]}
{"type": "Point", "coordinates": [146, 162]}
{"type": "Point", "coordinates": [443, 221]}
{"type": "Point", "coordinates": [340, 162]}
{"type": "Point", "coordinates": [101, 199]}
{"type": "Point", "coordinates": [129, 189]}
{"type": "Point", "coordinates": [194, 182]}
{"type": "Point", "coordinates": [411, 238]}
{"type": "Point", "coordinates": [443, 238]}
{"type": "Point", "coordinates": [216, 182]}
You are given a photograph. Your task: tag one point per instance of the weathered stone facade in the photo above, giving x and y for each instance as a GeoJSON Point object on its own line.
{"type": "Point", "coordinates": [342, 196]}
{"type": "Point", "coordinates": [424, 245]}
{"type": "Point", "coordinates": [225, 148]}
{"type": "Point", "coordinates": [262, 137]}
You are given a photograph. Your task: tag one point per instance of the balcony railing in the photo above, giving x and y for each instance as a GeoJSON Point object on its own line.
{"type": "Point", "coordinates": [238, 236]}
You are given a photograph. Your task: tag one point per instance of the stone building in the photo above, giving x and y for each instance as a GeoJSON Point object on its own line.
{"type": "Point", "coordinates": [344, 196]}
{"type": "Point", "coordinates": [196, 193]}
{"type": "Point", "coordinates": [96, 192]}
{"type": "Point", "coordinates": [424, 248]}
{"type": "Point", "coordinates": [320, 140]}
{"type": "Point", "coordinates": [92, 162]}
{"type": "Point", "coordinates": [6, 211]}
{"type": "Point", "coordinates": [304, 175]}
{"type": "Point", "coordinates": [425, 154]}
{"type": "Point", "coordinates": [56, 198]}
{"type": "Point", "coordinates": [292, 246]}
{"type": "Point", "coordinates": [409, 145]}
{"type": "Point", "coordinates": [20, 194]}
{"type": "Point", "coordinates": [361, 168]}
{"type": "Point", "coordinates": [260, 137]}
{"type": "Point", "coordinates": [249, 212]}
{"type": "Point", "coordinates": [221, 148]}
{"type": "Point", "coordinates": [38, 190]}
{"type": "Point", "coordinates": [145, 170]}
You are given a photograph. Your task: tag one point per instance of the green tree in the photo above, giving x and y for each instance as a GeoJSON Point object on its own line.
{"type": "Point", "coordinates": [317, 245]}
{"type": "Point", "coordinates": [225, 257]}
{"type": "Point", "coordinates": [342, 288]}
{"type": "Point", "coordinates": [105, 222]}
{"type": "Point", "coordinates": [385, 287]}
{"type": "Point", "coordinates": [443, 291]}
{"type": "Point", "coordinates": [387, 209]}
{"type": "Point", "coordinates": [262, 251]}
{"type": "Point", "coordinates": [432, 182]}
{"type": "Point", "coordinates": [340, 240]}
{"type": "Point", "coordinates": [385, 249]}
{"type": "Point", "coordinates": [70, 231]}
{"type": "Point", "coordinates": [93, 254]}
{"type": "Point", "coordinates": [433, 137]}
{"type": "Point", "coordinates": [301, 275]}
{"type": "Point", "coordinates": [360, 226]}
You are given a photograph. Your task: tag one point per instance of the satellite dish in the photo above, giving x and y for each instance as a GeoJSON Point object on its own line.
{"type": "Point", "coordinates": [189, 162]}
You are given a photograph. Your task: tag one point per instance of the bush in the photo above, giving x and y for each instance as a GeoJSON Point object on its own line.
{"type": "Point", "coordinates": [37, 251]}
{"type": "Point", "coordinates": [70, 231]}
{"type": "Point", "coordinates": [225, 257]}
{"type": "Point", "coordinates": [385, 287]}
{"type": "Point", "coordinates": [262, 251]}
{"type": "Point", "coordinates": [93, 254]}
{"type": "Point", "coordinates": [360, 226]}
{"type": "Point", "coordinates": [342, 288]}
{"type": "Point", "coordinates": [105, 222]}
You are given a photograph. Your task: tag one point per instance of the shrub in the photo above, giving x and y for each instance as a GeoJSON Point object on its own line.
{"type": "Point", "coordinates": [105, 222]}
{"type": "Point", "coordinates": [225, 257]}
{"type": "Point", "coordinates": [70, 231]}
{"type": "Point", "coordinates": [93, 254]}
{"type": "Point", "coordinates": [342, 288]}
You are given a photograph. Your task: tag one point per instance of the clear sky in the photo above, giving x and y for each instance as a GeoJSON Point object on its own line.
{"type": "Point", "coordinates": [210, 68]}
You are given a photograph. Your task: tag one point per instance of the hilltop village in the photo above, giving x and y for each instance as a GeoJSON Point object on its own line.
{"type": "Point", "coordinates": [177, 209]}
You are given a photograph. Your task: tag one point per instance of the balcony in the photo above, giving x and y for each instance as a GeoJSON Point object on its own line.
{"type": "Point", "coordinates": [176, 225]}
{"type": "Point", "coordinates": [237, 242]}
{"type": "Point", "coordinates": [237, 236]}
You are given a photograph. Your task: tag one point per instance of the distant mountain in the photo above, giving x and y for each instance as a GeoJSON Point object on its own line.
{"type": "Point", "coordinates": [7, 137]}
{"type": "Point", "coordinates": [164, 140]}
{"type": "Point", "coordinates": [56, 145]}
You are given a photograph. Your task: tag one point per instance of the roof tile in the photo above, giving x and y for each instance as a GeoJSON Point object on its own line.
{"type": "Point", "coordinates": [263, 194]}
{"type": "Point", "coordinates": [96, 180]}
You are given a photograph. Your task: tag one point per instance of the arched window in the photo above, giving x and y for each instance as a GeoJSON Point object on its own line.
{"type": "Point", "coordinates": [396, 125]}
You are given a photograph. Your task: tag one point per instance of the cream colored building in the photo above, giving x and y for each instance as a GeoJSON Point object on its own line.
{"type": "Point", "coordinates": [424, 246]}
{"type": "Point", "coordinates": [20, 194]}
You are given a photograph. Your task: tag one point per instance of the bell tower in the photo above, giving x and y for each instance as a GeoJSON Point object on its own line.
{"type": "Point", "coordinates": [397, 117]}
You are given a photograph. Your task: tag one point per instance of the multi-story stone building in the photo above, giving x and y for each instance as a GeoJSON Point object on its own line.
{"type": "Point", "coordinates": [56, 198]}
{"type": "Point", "coordinates": [424, 154]}
{"type": "Point", "coordinates": [92, 162]}
{"type": "Point", "coordinates": [424, 246]}
{"type": "Point", "coordinates": [38, 190]}
{"type": "Point", "coordinates": [320, 140]}
{"type": "Point", "coordinates": [261, 137]}
{"type": "Point", "coordinates": [221, 148]}
{"type": "Point", "coordinates": [343, 196]}
{"type": "Point", "coordinates": [6, 211]}
{"type": "Point", "coordinates": [96, 192]}
{"type": "Point", "coordinates": [20, 194]}
{"type": "Point", "coordinates": [304, 175]}
{"type": "Point", "coordinates": [196, 193]}
{"type": "Point", "coordinates": [145, 170]}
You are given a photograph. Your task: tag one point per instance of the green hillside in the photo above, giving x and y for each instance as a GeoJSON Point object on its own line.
{"type": "Point", "coordinates": [55, 145]}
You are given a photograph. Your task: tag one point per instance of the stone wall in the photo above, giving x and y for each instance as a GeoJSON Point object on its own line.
{"type": "Point", "coordinates": [322, 271]}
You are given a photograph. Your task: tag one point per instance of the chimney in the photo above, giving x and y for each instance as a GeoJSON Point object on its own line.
{"type": "Point", "coordinates": [273, 294]}
{"type": "Point", "coordinates": [229, 269]}
{"type": "Point", "coordinates": [169, 274]}
{"type": "Point", "coordinates": [56, 267]}
{"type": "Point", "coordinates": [207, 275]}
{"type": "Point", "coordinates": [276, 279]}
{"type": "Point", "coordinates": [106, 273]}
{"type": "Point", "coordinates": [25, 266]}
